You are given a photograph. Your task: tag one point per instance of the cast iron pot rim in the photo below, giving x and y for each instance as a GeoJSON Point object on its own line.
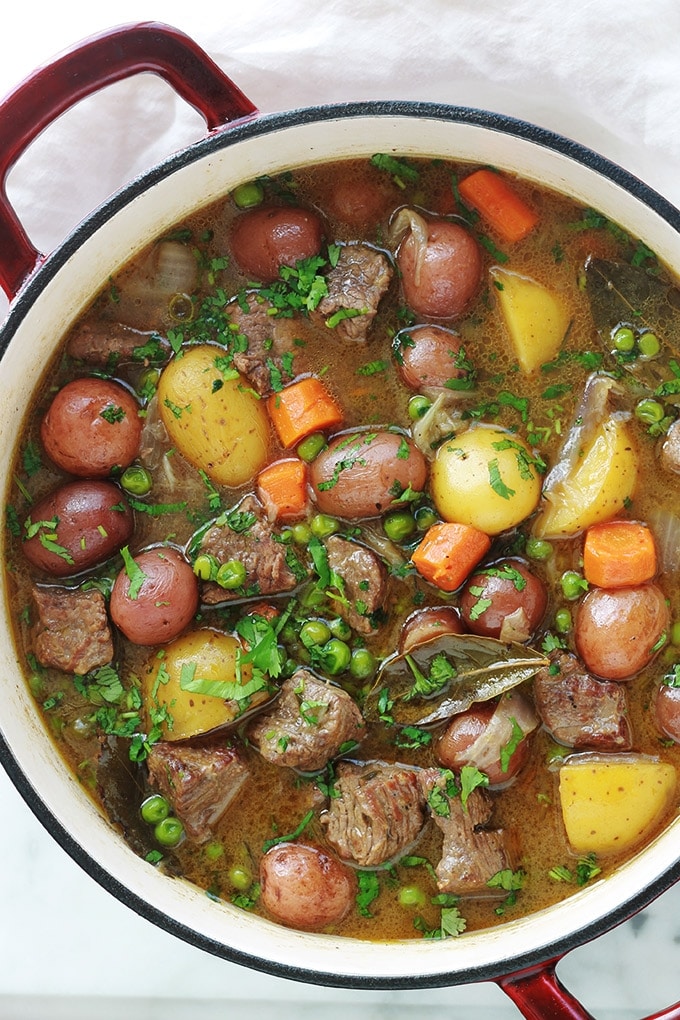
{"type": "Point", "coordinates": [29, 293]}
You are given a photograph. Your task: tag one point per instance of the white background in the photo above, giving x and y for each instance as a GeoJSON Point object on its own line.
{"type": "Point", "coordinates": [604, 73]}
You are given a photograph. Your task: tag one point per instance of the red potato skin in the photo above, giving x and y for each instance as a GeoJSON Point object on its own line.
{"type": "Point", "coordinates": [94, 520]}
{"type": "Point", "coordinates": [361, 199]}
{"type": "Point", "coordinates": [357, 474]}
{"type": "Point", "coordinates": [667, 711]}
{"type": "Point", "coordinates": [265, 238]}
{"type": "Point", "coordinates": [450, 274]}
{"type": "Point", "coordinates": [616, 629]}
{"type": "Point", "coordinates": [166, 602]}
{"type": "Point", "coordinates": [505, 599]}
{"type": "Point", "coordinates": [461, 733]}
{"type": "Point", "coordinates": [426, 624]}
{"type": "Point", "coordinates": [426, 357]}
{"type": "Point", "coordinates": [79, 440]}
{"type": "Point", "coordinates": [304, 887]}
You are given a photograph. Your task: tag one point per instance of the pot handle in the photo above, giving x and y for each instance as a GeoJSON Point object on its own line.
{"type": "Point", "coordinates": [539, 994]}
{"type": "Point", "coordinates": [89, 66]}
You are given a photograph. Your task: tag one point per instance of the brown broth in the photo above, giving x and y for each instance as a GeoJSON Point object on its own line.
{"type": "Point", "coordinates": [277, 798]}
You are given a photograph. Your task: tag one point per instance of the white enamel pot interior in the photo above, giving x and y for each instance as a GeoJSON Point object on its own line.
{"type": "Point", "coordinates": [44, 310]}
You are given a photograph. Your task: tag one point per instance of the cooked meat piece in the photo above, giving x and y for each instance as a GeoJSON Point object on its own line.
{"type": "Point", "coordinates": [200, 782]}
{"type": "Point", "coordinates": [358, 281]}
{"type": "Point", "coordinates": [109, 344]}
{"type": "Point", "coordinates": [670, 449]}
{"type": "Point", "coordinates": [307, 724]}
{"type": "Point", "coordinates": [247, 536]}
{"type": "Point", "coordinates": [471, 853]}
{"type": "Point", "coordinates": [258, 343]}
{"type": "Point", "coordinates": [579, 710]}
{"type": "Point", "coordinates": [365, 583]}
{"type": "Point", "coordinates": [376, 813]}
{"type": "Point", "coordinates": [72, 631]}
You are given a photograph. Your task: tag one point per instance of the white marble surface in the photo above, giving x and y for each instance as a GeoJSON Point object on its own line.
{"type": "Point", "coordinates": [604, 73]}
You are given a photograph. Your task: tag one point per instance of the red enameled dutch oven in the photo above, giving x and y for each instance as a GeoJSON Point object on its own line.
{"type": "Point", "coordinates": [48, 293]}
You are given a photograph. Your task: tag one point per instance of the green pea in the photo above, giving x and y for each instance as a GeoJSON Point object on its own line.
{"type": "Point", "coordinates": [155, 809]}
{"type": "Point", "coordinates": [313, 598]}
{"type": "Point", "coordinates": [213, 851]}
{"type": "Point", "coordinates": [248, 195]}
{"type": "Point", "coordinates": [538, 549]}
{"type": "Point", "coordinates": [362, 664]}
{"type": "Point", "coordinates": [563, 621]}
{"type": "Point", "coordinates": [399, 525]}
{"type": "Point", "coordinates": [573, 585]}
{"type": "Point", "coordinates": [169, 831]}
{"type": "Point", "coordinates": [314, 632]}
{"type": "Point", "coordinates": [240, 878]}
{"type": "Point", "coordinates": [336, 656]}
{"type": "Point", "coordinates": [205, 566]}
{"type": "Point", "coordinates": [418, 406]}
{"type": "Point", "coordinates": [231, 575]}
{"type": "Point", "coordinates": [623, 339]}
{"type": "Point", "coordinates": [649, 345]}
{"type": "Point", "coordinates": [148, 382]}
{"type": "Point", "coordinates": [181, 308]}
{"type": "Point", "coordinates": [425, 518]}
{"type": "Point", "coordinates": [412, 896]}
{"type": "Point", "coordinates": [322, 525]}
{"type": "Point", "coordinates": [311, 446]}
{"type": "Point", "coordinates": [649, 411]}
{"type": "Point", "coordinates": [136, 480]}
{"type": "Point", "coordinates": [301, 534]}
{"type": "Point", "coordinates": [340, 628]}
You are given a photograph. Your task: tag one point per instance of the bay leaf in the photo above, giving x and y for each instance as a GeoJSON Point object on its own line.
{"type": "Point", "coordinates": [478, 668]}
{"type": "Point", "coordinates": [622, 294]}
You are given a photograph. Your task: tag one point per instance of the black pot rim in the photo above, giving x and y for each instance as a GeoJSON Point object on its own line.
{"type": "Point", "coordinates": [30, 293]}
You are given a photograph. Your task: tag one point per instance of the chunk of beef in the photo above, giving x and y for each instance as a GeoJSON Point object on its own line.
{"type": "Point", "coordinates": [72, 632]}
{"type": "Point", "coordinates": [107, 344]}
{"type": "Point", "coordinates": [579, 710]}
{"type": "Point", "coordinates": [307, 724]}
{"type": "Point", "coordinates": [199, 781]}
{"type": "Point", "coordinates": [364, 585]}
{"type": "Point", "coordinates": [246, 535]}
{"type": "Point", "coordinates": [376, 813]}
{"type": "Point", "coordinates": [471, 853]}
{"type": "Point", "coordinates": [259, 342]}
{"type": "Point", "coordinates": [360, 278]}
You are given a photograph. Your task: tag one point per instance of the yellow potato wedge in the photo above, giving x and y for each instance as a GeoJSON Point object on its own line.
{"type": "Point", "coordinates": [610, 805]}
{"type": "Point", "coordinates": [216, 422]}
{"type": "Point", "coordinates": [601, 484]}
{"type": "Point", "coordinates": [202, 656]}
{"type": "Point", "coordinates": [536, 319]}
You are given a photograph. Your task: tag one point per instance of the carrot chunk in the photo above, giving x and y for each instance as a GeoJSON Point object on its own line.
{"type": "Point", "coordinates": [303, 407]}
{"type": "Point", "coordinates": [499, 204]}
{"type": "Point", "coordinates": [619, 554]}
{"type": "Point", "coordinates": [282, 488]}
{"type": "Point", "coordinates": [449, 552]}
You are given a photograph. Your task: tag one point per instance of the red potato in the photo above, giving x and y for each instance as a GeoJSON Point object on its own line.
{"type": "Point", "coordinates": [267, 237]}
{"type": "Point", "coordinates": [361, 474]}
{"type": "Point", "coordinates": [165, 602]}
{"type": "Point", "coordinates": [485, 733]}
{"type": "Point", "coordinates": [91, 427]}
{"type": "Point", "coordinates": [440, 278]}
{"type": "Point", "coordinates": [667, 711]}
{"type": "Point", "coordinates": [429, 356]}
{"type": "Point", "coordinates": [361, 198]}
{"type": "Point", "coordinates": [304, 887]}
{"type": "Point", "coordinates": [426, 624]}
{"type": "Point", "coordinates": [78, 526]}
{"type": "Point", "coordinates": [616, 630]}
{"type": "Point", "coordinates": [504, 600]}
